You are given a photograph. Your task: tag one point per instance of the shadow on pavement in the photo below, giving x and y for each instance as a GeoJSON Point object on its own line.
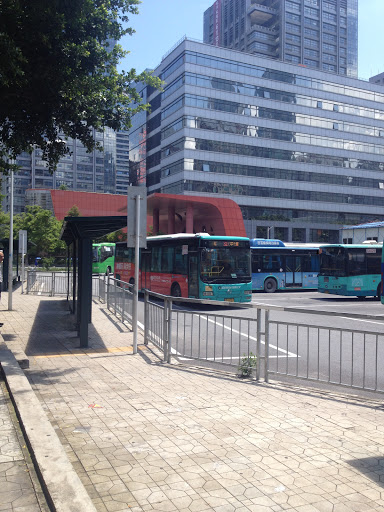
{"type": "Point", "coordinates": [371, 467]}
{"type": "Point", "coordinates": [54, 331]}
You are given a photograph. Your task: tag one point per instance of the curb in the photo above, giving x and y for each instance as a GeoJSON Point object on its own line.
{"type": "Point", "coordinates": [62, 487]}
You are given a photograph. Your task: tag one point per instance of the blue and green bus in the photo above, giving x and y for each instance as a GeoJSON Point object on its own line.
{"type": "Point", "coordinates": [103, 258]}
{"type": "Point", "coordinates": [191, 265]}
{"type": "Point", "coordinates": [280, 266]}
{"type": "Point", "coordinates": [351, 269]}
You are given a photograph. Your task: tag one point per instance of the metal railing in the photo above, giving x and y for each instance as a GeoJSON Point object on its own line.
{"type": "Point", "coordinates": [329, 355]}
{"type": "Point", "coordinates": [257, 342]}
{"type": "Point", "coordinates": [282, 349]}
{"type": "Point", "coordinates": [118, 296]}
{"type": "Point", "coordinates": [48, 283]}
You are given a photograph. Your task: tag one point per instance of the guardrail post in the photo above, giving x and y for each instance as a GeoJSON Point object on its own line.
{"type": "Point", "coordinates": [169, 330]}
{"type": "Point", "coordinates": [146, 316]}
{"type": "Point", "coordinates": [27, 290]}
{"type": "Point", "coordinates": [165, 331]}
{"type": "Point", "coordinates": [266, 360]}
{"type": "Point", "coordinates": [53, 284]}
{"type": "Point", "coordinates": [258, 343]}
{"type": "Point", "coordinates": [115, 298]}
{"type": "Point", "coordinates": [108, 291]}
{"type": "Point", "coordinates": [122, 303]}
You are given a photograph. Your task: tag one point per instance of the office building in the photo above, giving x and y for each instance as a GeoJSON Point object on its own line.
{"type": "Point", "coordinates": [122, 162]}
{"type": "Point", "coordinates": [299, 150]}
{"type": "Point", "coordinates": [104, 171]}
{"type": "Point", "coordinates": [319, 34]}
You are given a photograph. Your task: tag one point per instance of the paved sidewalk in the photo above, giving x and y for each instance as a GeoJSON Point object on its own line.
{"type": "Point", "coordinates": [146, 436]}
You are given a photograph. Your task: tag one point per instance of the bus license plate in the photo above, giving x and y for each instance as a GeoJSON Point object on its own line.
{"type": "Point", "coordinates": [229, 300]}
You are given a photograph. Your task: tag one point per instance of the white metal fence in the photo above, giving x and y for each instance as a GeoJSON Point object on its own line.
{"type": "Point", "coordinates": [250, 343]}
{"type": "Point", "coordinates": [49, 283]}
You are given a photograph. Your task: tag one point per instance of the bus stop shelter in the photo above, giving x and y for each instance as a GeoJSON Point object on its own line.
{"type": "Point", "coordinates": [79, 233]}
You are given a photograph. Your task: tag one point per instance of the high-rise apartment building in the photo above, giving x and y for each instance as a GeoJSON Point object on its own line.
{"type": "Point", "coordinates": [301, 151]}
{"type": "Point", "coordinates": [319, 34]}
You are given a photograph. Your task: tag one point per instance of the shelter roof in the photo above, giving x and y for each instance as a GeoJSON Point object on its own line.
{"type": "Point", "coordinates": [76, 228]}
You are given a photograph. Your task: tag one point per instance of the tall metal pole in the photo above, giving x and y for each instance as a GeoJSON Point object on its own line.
{"type": "Point", "coordinates": [136, 285]}
{"type": "Point", "coordinates": [10, 253]}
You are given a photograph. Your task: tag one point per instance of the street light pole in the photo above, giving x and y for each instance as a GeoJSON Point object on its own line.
{"type": "Point", "coordinates": [10, 253]}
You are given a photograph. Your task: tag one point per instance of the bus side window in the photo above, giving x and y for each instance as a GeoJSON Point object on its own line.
{"type": "Point", "coordinates": [167, 259]}
{"type": "Point", "coordinates": [156, 259]}
{"type": "Point", "coordinates": [374, 263]}
{"type": "Point", "coordinates": [256, 263]}
{"type": "Point", "coordinates": [356, 262]}
{"type": "Point", "coordinates": [180, 266]}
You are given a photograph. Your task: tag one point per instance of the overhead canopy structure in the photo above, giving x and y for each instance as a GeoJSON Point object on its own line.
{"type": "Point", "coordinates": [76, 228]}
{"type": "Point", "coordinates": [79, 232]}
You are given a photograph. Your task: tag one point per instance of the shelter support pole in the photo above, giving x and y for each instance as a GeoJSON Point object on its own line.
{"type": "Point", "coordinates": [85, 288]}
{"type": "Point", "coordinates": [74, 276]}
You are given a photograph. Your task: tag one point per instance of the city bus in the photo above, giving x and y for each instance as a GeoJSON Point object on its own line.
{"type": "Point", "coordinates": [103, 258]}
{"type": "Point", "coordinates": [190, 265]}
{"type": "Point", "coordinates": [280, 266]}
{"type": "Point", "coordinates": [351, 270]}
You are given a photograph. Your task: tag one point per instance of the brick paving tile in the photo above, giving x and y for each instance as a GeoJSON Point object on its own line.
{"type": "Point", "coordinates": [147, 436]}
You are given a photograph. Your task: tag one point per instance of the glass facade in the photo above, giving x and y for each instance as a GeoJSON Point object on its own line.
{"type": "Point", "coordinates": [301, 154]}
{"type": "Point", "coordinates": [78, 170]}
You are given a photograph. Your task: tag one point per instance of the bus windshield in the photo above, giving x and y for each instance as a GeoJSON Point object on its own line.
{"type": "Point", "coordinates": [225, 265]}
{"type": "Point", "coordinates": [332, 262]}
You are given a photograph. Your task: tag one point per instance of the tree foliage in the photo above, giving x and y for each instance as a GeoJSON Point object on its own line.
{"type": "Point", "coordinates": [117, 236]}
{"type": "Point", "coordinates": [74, 212]}
{"type": "Point", "coordinates": [58, 74]}
{"type": "Point", "coordinates": [43, 231]}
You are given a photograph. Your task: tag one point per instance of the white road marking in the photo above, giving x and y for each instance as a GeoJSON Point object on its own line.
{"type": "Point", "coordinates": [254, 339]}
{"type": "Point", "coordinates": [361, 320]}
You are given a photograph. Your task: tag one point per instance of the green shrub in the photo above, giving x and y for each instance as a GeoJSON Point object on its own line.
{"type": "Point", "coordinates": [247, 365]}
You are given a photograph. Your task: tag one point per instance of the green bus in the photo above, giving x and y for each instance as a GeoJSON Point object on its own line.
{"type": "Point", "coordinates": [191, 265]}
{"type": "Point", "coordinates": [103, 258]}
{"type": "Point", "coordinates": [351, 270]}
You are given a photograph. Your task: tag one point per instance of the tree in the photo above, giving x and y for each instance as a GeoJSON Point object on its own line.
{"type": "Point", "coordinates": [4, 225]}
{"type": "Point", "coordinates": [116, 236]}
{"type": "Point", "coordinates": [58, 74]}
{"type": "Point", "coordinates": [63, 186]}
{"type": "Point", "coordinates": [43, 231]}
{"type": "Point", "coordinates": [74, 212]}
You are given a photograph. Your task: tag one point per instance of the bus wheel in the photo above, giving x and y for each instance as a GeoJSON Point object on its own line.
{"type": "Point", "coordinates": [175, 290]}
{"type": "Point", "coordinates": [378, 295]}
{"type": "Point", "coordinates": [270, 285]}
{"type": "Point", "coordinates": [132, 281]}
{"type": "Point", "coordinates": [108, 271]}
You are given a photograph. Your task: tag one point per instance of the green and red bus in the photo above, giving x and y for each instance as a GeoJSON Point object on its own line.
{"type": "Point", "coordinates": [191, 265]}
{"type": "Point", "coordinates": [351, 269]}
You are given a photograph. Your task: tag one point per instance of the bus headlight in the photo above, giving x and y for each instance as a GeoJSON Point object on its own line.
{"type": "Point", "coordinates": [248, 292]}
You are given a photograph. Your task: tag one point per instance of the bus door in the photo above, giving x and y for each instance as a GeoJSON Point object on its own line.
{"type": "Point", "coordinates": [293, 271]}
{"type": "Point", "coordinates": [193, 275]}
{"type": "Point", "coordinates": [145, 268]}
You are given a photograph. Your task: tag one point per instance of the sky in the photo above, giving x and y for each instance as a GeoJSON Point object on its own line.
{"type": "Point", "coordinates": [162, 23]}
